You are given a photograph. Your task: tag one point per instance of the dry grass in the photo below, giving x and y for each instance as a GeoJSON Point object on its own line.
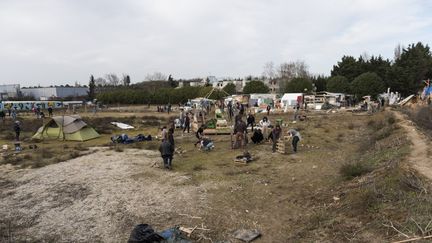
{"type": "Point", "coordinates": [275, 193]}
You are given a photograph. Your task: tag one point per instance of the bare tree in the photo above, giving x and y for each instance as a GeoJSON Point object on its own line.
{"type": "Point", "coordinates": [269, 71]}
{"type": "Point", "coordinates": [126, 80]}
{"type": "Point", "coordinates": [290, 70]}
{"type": "Point", "coordinates": [112, 79]}
{"type": "Point", "coordinates": [366, 57]}
{"type": "Point", "coordinates": [100, 81]}
{"type": "Point", "coordinates": [156, 76]}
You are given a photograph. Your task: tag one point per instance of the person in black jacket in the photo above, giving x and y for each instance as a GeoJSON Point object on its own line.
{"type": "Point", "coordinates": [2, 115]}
{"type": "Point", "coordinates": [186, 123]}
{"type": "Point", "coordinates": [250, 120]}
{"type": "Point", "coordinates": [199, 134]}
{"type": "Point", "coordinates": [50, 111]}
{"type": "Point", "coordinates": [257, 136]}
{"type": "Point", "coordinates": [167, 151]}
{"type": "Point", "coordinates": [17, 129]}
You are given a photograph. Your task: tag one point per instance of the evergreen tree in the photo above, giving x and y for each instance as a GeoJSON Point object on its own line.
{"type": "Point", "coordinates": [413, 66]}
{"type": "Point", "coordinates": [298, 85]}
{"type": "Point", "coordinates": [92, 88]}
{"type": "Point", "coordinates": [367, 84]}
{"type": "Point", "coordinates": [320, 83]}
{"type": "Point", "coordinates": [230, 88]}
{"type": "Point", "coordinates": [348, 67]}
{"type": "Point", "coordinates": [255, 87]}
{"type": "Point", "coordinates": [338, 84]}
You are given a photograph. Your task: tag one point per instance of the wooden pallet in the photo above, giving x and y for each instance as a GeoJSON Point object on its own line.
{"type": "Point", "coordinates": [283, 145]}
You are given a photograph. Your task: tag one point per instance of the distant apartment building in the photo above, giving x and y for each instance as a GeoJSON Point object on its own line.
{"type": "Point", "coordinates": [9, 91]}
{"type": "Point", "coordinates": [46, 93]}
{"type": "Point", "coordinates": [274, 85]}
{"type": "Point", "coordinates": [222, 83]}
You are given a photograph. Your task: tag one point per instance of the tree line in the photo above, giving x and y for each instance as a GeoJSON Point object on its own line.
{"type": "Point", "coordinates": [365, 75]}
{"type": "Point", "coordinates": [372, 75]}
{"type": "Point", "coordinates": [139, 95]}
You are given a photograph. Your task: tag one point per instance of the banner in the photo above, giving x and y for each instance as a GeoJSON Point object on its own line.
{"type": "Point", "coordinates": [28, 105]}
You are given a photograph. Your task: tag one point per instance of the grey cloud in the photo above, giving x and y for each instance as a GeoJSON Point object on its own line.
{"type": "Point", "coordinates": [48, 41]}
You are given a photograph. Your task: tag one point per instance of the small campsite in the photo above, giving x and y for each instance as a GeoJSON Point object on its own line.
{"type": "Point", "coordinates": [349, 181]}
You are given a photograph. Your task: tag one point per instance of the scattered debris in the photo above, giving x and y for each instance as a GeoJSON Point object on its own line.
{"type": "Point", "coordinates": [189, 216]}
{"type": "Point", "coordinates": [246, 235]}
{"type": "Point", "coordinates": [406, 100]}
{"type": "Point", "coordinates": [122, 125]}
{"type": "Point", "coordinates": [244, 158]}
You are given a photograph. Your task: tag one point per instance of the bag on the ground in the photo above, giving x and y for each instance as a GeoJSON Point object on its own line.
{"type": "Point", "coordinates": [143, 233]}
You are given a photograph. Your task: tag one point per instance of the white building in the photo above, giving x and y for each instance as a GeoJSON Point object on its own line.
{"type": "Point", "coordinates": [9, 91]}
{"type": "Point", "coordinates": [54, 92]}
{"type": "Point", "coordinates": [222, 83]}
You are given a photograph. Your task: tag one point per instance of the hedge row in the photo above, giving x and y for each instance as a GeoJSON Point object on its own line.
{"type": "Point", "coordinates": [156, 96]}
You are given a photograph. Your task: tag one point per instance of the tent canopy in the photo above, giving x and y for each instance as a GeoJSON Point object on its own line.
{"type": "Point", "coordinates": [67, 128]}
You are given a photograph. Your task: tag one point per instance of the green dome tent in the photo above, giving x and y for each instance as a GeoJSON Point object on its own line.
{"type": "Point", "coordinates": [70, 128]}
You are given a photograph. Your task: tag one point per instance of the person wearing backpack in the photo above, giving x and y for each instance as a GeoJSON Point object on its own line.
{"type": "Point", "coordinates": [167, 151]}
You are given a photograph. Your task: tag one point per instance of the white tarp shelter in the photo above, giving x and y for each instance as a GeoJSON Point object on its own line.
{"type": "Point", "coordinates": [290, 100]}
{"type": "Point", "coordinates": [261, 99]}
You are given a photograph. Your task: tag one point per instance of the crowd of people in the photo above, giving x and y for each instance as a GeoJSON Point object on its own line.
{"type": "Point", "coordinates": [265, 132]}
{"type": "Point", "coordinates": [261, 132]}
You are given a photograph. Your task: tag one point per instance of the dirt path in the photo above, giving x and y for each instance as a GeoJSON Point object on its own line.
{"type": "Point", "coordinates": [419, 157]}
{"type": "Point", "coordinates": [97, 197]}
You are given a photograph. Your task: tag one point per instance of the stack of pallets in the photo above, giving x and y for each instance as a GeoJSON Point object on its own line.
{"type": "Point", "coordinates": [283, 145]}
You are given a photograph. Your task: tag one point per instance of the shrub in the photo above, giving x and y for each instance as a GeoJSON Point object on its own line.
{"type": "Point", "coordinates": [367, 84]}
{"type": "Point", "coordinates": [424, 117]}
{"type": "Point", "coordinates": [384, 133]}
{"type": "Point", "coordinates": [350, 171]}
{"type": "Point", "coordinates": [391, 120]}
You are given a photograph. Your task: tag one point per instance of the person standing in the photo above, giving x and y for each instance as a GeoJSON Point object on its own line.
{"type": "Point", "coordinates": [169, 108]}
{"type": "Point", "coordinates": [296, 112]}
{"type": "Point", "coordinates": [240, 131]}
{"type": "Point", "coordinates": [2, 115]}
{"type": "Point", "coordinates": [167, 151]}
{"type": "Point", "coordinates": [17, 129]}
{"type": "Point", "coordinates": [164, 133]}
{"type": "Point", "coordinates": [182, 117]}
{"type": "Point", "coordinates": [50, 111]}
{"type": "Point", "coordinates": [250, 120]}
{"type": "Point", "coordinates": [295, 138]}
{"type": "Point", "coordinates": [38, 111]}
{"type": "Point", "coordinates": [275, 135]}
{"type": "Point", "coordinates": [230, 110]}
{"type": "Point", "coordinates": [171, 136]}
{"type": "Point", "coordinates": [186, 123]}
{"type": "Point", "coordinates": [265, 124]}
{"type": "Point", "coordinates": [14, 114]}
{"type": "Point", "coordinates": [268, 110]}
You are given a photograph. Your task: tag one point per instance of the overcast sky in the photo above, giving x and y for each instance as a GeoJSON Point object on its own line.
{"type": "Point", "coordinates": [57, 41]}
